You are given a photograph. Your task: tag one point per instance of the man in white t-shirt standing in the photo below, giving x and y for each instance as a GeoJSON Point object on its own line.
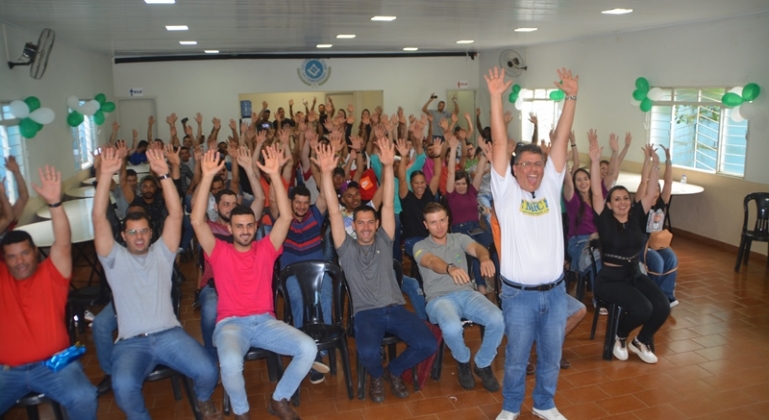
{"type": "Point", "coordinates": [527, 203]}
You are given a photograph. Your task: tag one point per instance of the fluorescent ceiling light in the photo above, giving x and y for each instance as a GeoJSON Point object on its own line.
{"type": "Point", "coordinates": [383, 18]}
{"type": "Point", "coordinates": [188, 42]}
{"type": "Point", "coordinates": [346, 36]}
{"type": "Point", "coordinates": [465, 41]}
{"type": "Point", "coordinates": [617, 11]}
{"type": "Point", "coordinates": [177, 27]}
{"type": "Point", "coordinates": [324, 45]}
{"type": "Point", "coordinates": [410, 49]}
{"type": "Point", "coordinates": [211, 51]}
{"type": "Point", "coordinates": [525, 29]}
{"type": "Point", "coordinates": [160, 1]}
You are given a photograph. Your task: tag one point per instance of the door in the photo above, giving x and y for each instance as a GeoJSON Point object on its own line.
{"type": "Point", "coordinates": [133, 115]}
{"type": "Point", "coordinates": [466, 101]}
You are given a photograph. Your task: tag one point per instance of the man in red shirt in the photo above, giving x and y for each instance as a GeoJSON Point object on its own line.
{"type": "Point", "coordinates": [33, 297]}
{"type": "Point", "coordinates": [243, 272]}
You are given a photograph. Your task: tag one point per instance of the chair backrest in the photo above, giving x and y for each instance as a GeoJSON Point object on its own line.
{"type": "Point", "coordinates": [762, 208]}
{"type": "Point", "coordinates": [309, 275]}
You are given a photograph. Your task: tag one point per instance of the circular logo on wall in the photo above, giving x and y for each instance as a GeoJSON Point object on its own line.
{"type": "Point", "coordinates": [314, 72]}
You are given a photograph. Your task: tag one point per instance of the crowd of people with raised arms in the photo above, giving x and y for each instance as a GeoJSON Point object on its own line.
{"type": "Point", "coordinates": [480, 218]}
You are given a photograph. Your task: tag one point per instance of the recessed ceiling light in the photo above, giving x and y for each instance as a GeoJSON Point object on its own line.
{"type": "Point", "coordinates": [211, 51]}
{"type": "Point", "coordinates": [346, 36]}
{"type": "Point", "coordinates": [188, 42]}
{"type": "Point", "coordinates": [410, 49]}
{"type": "Point", "coordinates": [617, 11]}
{"type": "Point", "coordinates": [465, 41]}
{"type": "Point", "coordinates": [177, 27]}
{"type": "Point", "coordinates": [525, 29]}
{"type": "Point", "coordinates": [160, 1]}
{"type": "Point", "coordinates": [383, 18]}
{"type": "Point", "coordinates": [324, 45]}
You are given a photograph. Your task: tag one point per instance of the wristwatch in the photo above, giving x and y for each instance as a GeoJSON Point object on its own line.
{"type": "Point", "coordinates": [449, 266]}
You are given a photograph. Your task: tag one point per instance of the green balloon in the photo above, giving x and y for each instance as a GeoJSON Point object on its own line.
{"type": "Point", "coordinates": [639, 95]}
{"type": "Point", "coordinates": [108, 107]}
{"type": "Point", "coordinates": [731, 99]}
{"type": "Point", "coordinates": [557, 95]}
{"type": "Point", "coordinates": [512, 97]}
{"type": "Point", "coordinates": [516, 88]}
{"type": "Point", "coordinates": [38, 125]}
{"type": "Point", "coordinates": [642, 83]}
{"type": "Point", "coordinates": [750, 92]}
{"type": "Point", "coordinates": [98, 117]}
{"type": "Point", "coordinates": [74, 119]}
{"type": "Point", "coordinates": [28, 128]}
{"type": "Point", "coordinates": [646, 105]}
{"type": "Point", "coordinates": [32, 102]}
{"type": "Point", "coordinates": [101, 98]}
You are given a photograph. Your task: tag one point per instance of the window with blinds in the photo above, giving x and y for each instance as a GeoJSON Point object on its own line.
{"type": "Point", "coordinates": [538, 101]}
{"type": "Point", "coordinates": [11, 144]}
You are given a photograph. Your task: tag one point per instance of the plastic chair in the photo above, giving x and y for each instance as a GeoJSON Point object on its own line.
{"type": "Point", "coordinates": [309, 275]}
{"type": "Point", "coordinates": [760, 231]}
{"type": "Point", "coordinates": [31, 402]}
{"type": "Point", "coordinates": [612, 324]}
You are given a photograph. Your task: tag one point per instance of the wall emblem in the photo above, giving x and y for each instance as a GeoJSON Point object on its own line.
{"type": "Point", "coordinates": [314, 72]}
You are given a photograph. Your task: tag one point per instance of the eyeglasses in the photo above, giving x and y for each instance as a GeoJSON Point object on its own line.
{"type": "Point", "coordinates": [524, 165]}
{"type": "Point", "coordinates": [134, 232]}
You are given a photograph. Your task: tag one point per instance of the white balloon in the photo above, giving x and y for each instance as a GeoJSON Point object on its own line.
{"type": "Point", "coordinates": [749, 110]}
{"type": "Point", "coordinates": [736, 117]}
{"type": "Point", "coordinates": [42, 116]}
{"type": "Point", "coordinates": [655, 94]}
{"type": "Point", "coordinates": [523, 93]}
{"type": "Point", "coordinates": [90, 107]}
{"type": "Point", "coordinates": [19, 109]}
{"type": "Point", "coordinates": [519, 103]}
{"type": "Point", "coordinates": [737, 90]}
{"type": "Point", "coordinates": [634, 102]}
{"type": "Point", "coordinates": [73, 102]}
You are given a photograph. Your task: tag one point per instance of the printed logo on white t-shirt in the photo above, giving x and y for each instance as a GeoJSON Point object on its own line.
{"type": "Point", "coordinates": [535, 208]}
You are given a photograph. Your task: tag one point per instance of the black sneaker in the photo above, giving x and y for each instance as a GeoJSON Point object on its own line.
{"type": "Point", "coordinates": [466, 379]}
{"type": "Point", "coordinates": [104, 386]}
{"type": "Point", "coordinates": [487, 378]}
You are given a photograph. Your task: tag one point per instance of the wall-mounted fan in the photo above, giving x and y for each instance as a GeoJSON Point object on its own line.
{"type": "Point", "coordinates": [36, 55]}
{"type": "Point", "coordinates": [512, 62]}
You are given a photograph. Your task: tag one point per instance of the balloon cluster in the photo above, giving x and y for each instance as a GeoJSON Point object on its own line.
{"type": "Point", "coordinates": [32, 117]}
{"type": "Point", "coordinates": [515, 97]}
{"type": "Point", "coordinates": [740, 99]}
{"type": "Point", "coordinates": [95, 107]}
{"type": "Point", "coordinates": [643, 95]}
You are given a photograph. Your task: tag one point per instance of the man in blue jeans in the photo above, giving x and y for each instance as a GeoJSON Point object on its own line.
{"type": "Point", "coordinates": [367, 261]}
{"type": "Point", "coordinates": [149, 332]}
{"type": "Point", "coordinates": [527, 203]}
{"type": "Point", "coordinates": [450, 296]}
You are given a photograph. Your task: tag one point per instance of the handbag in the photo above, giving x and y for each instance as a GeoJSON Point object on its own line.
{"type": "Point", "coordinates": [660, 239]}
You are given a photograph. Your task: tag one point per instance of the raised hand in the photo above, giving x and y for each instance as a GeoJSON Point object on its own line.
{"type": "Point", "coordinates": [647, 150]}
{"type": "Point", "coordinates": [173, 156]}
{"type": "Point", "coordinates": [595, 150]}
{"type": "Point", "coordinates": [337, 140]}
{"type": "Point", "coordinates": [122, 150]}
{"type": "Point", "coordinates": [378, 110]}
{"type": "Point", "coordinates": [412, 119]}
{"type": "Point", "coordinates": [444, 124]}
{"type": "Point", "coordinates": [157, 162]}
{"type": "Point", "coordinates": [171, 119]}
{"type": "Point", "coordinates": [592, 135]}
{"type": "Point", "coordinates": [356, 142]}
{"type": "Point", "coordinates": [487, 150]}
{"type": "Point", "coordinates": [210, 164]}
{"type": "Point", "coordinates": [569, 84]}
{"type": "Point", "coordinates": [244, 158]}
{"type": "Point", "coordinates": [115, 126]}
{"type": "Point", "coordinates": [434, 150]}
{"type": "Point", "coordinates": [217, 123]}
{"type": "Point", "coordinates": [379, 131]}
{"type": "Point", "coordinates": [452, 140]}
{"type": "Point", "coordinates": [325, 158]}
{"type": "Point", "coordinates": [199, 118]}
{"type": "Point", "coordinates": [243, 128]}
{"type": "Point", "coordinates": [135, 133]}
{"type": "Point", "coordinates": [403, 148]}
{"type": "Point", "coordinates": [386, 151]}
{"type": "Point", "coordinates": [290, 102]}
{"type": "Point", "coordinates": [110, 162]}
{"type": "Point", "coordinates": [11, 164]}
{"type": "Point", "coordinates": [667, 153]}
{"type": "Point", "coordinates": [312, 116]}
{"type": "Point", "coordinates": [655, 158]}
{"type": "Point", "coordinates": [188, 131]}
{"type": "Point", "coordinates": [495, 81]}
{"type": "Point", "coordinates": [350, 109]}
{"type": "Point", "coordinates": [198, 152]}
{"type": "Point", "coordinates": [477, 112]}
{"type": "Point", "coordinates": [50, 184]}
{"type": "Point", "coordinates": [613, 143]}
{"type": "Point", "coordinates": [273, 160]}
{"type": "Point", "coordinates": [508, 117]}
{"type": "Point", "coordinates": [151, 120]}
{"type": "Point", "coordinates": [233, 124]}
{"type": "Point", "coordinates": [533, 119]}
{"type": "Point", "coordinates": [264, 105]}
{"type": "Point", "coordinates": [628, 139]}
{"type": "Point", "coordinates": [283, 136]}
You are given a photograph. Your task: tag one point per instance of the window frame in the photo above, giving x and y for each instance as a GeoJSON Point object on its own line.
{"type": "Point", "coordinates": [83, 155]}
{"type": "Point", "coordinates": [12, 190]}
{"type": "Point", "coordinates": [538, 95]}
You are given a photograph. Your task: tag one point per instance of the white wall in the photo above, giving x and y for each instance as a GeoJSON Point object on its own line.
{"type": "Point", "coordinates": [727, 52]}
{"type": "Point", "coordinates": [71, 71]}
{"type": "Point", "coordinates": [212, 87]}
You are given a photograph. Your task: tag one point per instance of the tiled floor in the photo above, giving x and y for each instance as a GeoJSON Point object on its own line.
{"type": "Point", "coordinates": [713, 351]}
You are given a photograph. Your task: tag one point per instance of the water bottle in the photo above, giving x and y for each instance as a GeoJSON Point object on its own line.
{"type": "Point", "coordinates": [683, 179]}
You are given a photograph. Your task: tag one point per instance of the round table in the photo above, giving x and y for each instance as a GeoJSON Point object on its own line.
{"type": "Point", "coordinates": [81, 192]}
{"type": "Point", "coordinates": [92, 180]}
{"type": "Point", "coordinates": [142, 168]}
{"type": "Point", "coordinates": [75, 209]}
{"type": "Point", "coordinates": [42, 232]}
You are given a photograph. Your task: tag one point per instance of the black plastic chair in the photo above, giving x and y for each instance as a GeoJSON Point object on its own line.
{"type": "Point", "coordinates": [31, 402]}
{"type": "Point", "coordinates": [274, 370]}
{"type": "Point", "coordinates": [760, 231]}
{"type": "Point", "coordinates": [309, 275]}
{"type": "Point", "coordinates": [612, 324]}
{"type": "Point", "coordinates": [583, 278]}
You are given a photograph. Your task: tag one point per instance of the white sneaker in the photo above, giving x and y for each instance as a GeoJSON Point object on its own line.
{"type": "Point", "coordinates": [642, 350]}
{"type": "Point", "coordinates": [507, 415]}
{"type": "Point", "coordinates": [88, 315]}
{"type": "Point", "coordinates": [603, 311]}
{"type": "Point", "coordinates": [673, 303]}
{"type": "Point", "coordinates": [551, 414]}
{"type": "Point", "coordinates": [620, 349]}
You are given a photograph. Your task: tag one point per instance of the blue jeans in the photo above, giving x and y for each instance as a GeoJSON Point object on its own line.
{"type": "Point", "coordinates": [416, 296]}
{"type": "Point", "coordinates": [662, 261]}
{"type": "Point", "coordinates": [104, 325]}
{"type": "Point", "coordinates": [208, 299]}
{"type": "Point", "coordinates": [484, 238]}
{"type": "Point", "coordinates": [235, 335]}
{"type": "Point", "coordinates": [69, 387]}
{"type": "Point", "coordinates": [448, 310]}
{"type": "Point", "coordinates": [486, 200]}
{"type": "Point", "coordinates": [574, 248]}
{"type": "Point", "coordinates": [370, 328]}
{"type": "Point", "coordinates": [531, 316]}
{"type": "Point", "coordinates": [297, 304]}
{"type": "Point", "coordinates": [134, 358]}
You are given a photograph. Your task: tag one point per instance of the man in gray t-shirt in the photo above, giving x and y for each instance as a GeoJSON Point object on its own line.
{"type": "Point", "coordinates": [440, 113]}
{"type": "Point", "coordinates": [442, 259]}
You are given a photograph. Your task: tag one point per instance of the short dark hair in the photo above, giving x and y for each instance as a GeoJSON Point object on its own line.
{"type": "Point", "coordinates": [462, 175]}
{"type": "Point", "coordinates": [142, 143]}
{"type": "Point", "coordinates": [363, 209]}
{"type": "Point", "coordinates": [615, 188]}
{"type": "Point", "coordinates": [433, 207]}
{"type": "Point", "coordinates": [241, 210]}
{"type": "Point", "coordinates": [135, 216]}
{"type": "Point", "coordinates": [130, 172]}
{"type": "Point", "coordinates": [217, 178]}
{"type": "Point", "coordinates": [150, 178]}
{"type": "Point", "coordinates": [299, 190]}
{"type": "Point", "coordinates": [604, 161]}
{"type": "Point", "coordinates": [352, 184]}
{"type": "Point", "coordinates": [218, 196]}
{"type": "Point", "coordinates": [338, 171]}
{"type": "Point", "coordinates": [184, 148]}
{"type": "Point", "coordinates": [15, 237]}
{"type": "Point", "coordinates": [527, 148]}
{"type": "Point", "coordinates": [415, 173]}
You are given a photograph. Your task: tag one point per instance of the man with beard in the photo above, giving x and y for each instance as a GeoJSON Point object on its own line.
{"type": "Point", "coordinates": [243, 272]}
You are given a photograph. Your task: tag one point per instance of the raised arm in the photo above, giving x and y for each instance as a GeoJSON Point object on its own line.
{"type": "Point", "coordinates": [495, 80]}
{"type": "Point", "coordinates": [608, 181]}
{"type": "Point", "coordinates": [535, 134]}
{"type": "Point", "coordinates": [199, 122]}
{"type": "Point", "coordinates": [6, 211]}
{"type": "Point", "coordinates": [424, 107]}
{"type": "Point", "coordinates": [403, 183]}
{"type": "Point", "coordinates": [50, 191]}
{"type": "Point", "coordinates": [621, 157]}
{"type": "Point", "coordinates": [150, 123]}
{"type": "Point", "coordinates": [456, 104]}
{"type": "Point", "coordinates": [574, 153]}
{"type": "Point", "coordinates": [273, 161]}
{"type": "Point", "coordinates": [478, 120]}
{"type": "Point", "coordinates": [246, 162]}
{"type": "Point", "coordinates": [451, 163]}
{"type": "Point", "coordinates": [171, 120]}
{"type": "Point", "coordinates": [654, 181]}
{"type": "Point", "coordinates": [172, 227]}
{"type": "Point", "coordinates": [595, 170]}
{"type": "Point", "coordinates": [479, 171]}
{"type": "Point", "coordinates": [435, 181]}
{"type": "Point", "coordinates": [21, 187]}
{"type": "Point", "coordinates": [113, 136]}
{"type": "Point", "coordinates": [103, 239]}
{"type": "Point", "coordinates": [326, 161]}
{"type": "Point", "coordinates": [568, 187]}
{"type": "Point", "coordinates": [387, 157]}
{"type": "Point", "coordinates": [210, 166]}
{"type": "Point", "coordinates": [569, 84]}
{"type": "Point", "coordinates": [667, 188]}
{"type": "Point", "coordinates": [645, 171]}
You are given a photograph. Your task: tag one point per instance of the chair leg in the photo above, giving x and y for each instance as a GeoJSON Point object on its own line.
{"type": "Point", "coordinates": [58, 412]}
{"type": "Point", "coordinates": [226, 403]}
{"type": "Point", "coordinates": [579, 293]}
{"type": "Point", "coordinates": [191, 397]}
{"type": "Point", "coordinates": [176, 387]}
{"type": "Point", "coordinates": [748, 243]}
{"type": "Point", "coordinates": [332, 361]}
{"type": "Point", "coordinates": [346, 368]}
{"type": "Point", "coordinates": [740, 253]}
{"type": "Point", "coordinates": [361, 370]}
{"type": "Point", "coordinates": [415, 378]}
{"type": "Point", "coordinates": [598, 307]}
{"type": "Point", "coordinates": [32, 413]}
{"type": "Point", "coordinates": [435, 372]}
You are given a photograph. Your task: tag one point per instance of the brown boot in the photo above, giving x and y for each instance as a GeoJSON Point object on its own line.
{"type": "Point", "coordinates": [282, 409]}
{"type": "Point", "coordinates": [209, 411]}
{"type": "Point", "coordinates": [397, 386]}
{"type": "Point", "coordinates": [376, 390]}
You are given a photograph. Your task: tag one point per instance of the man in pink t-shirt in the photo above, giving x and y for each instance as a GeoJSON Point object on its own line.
{"type": "Point", "coordinates": [243, 273]}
